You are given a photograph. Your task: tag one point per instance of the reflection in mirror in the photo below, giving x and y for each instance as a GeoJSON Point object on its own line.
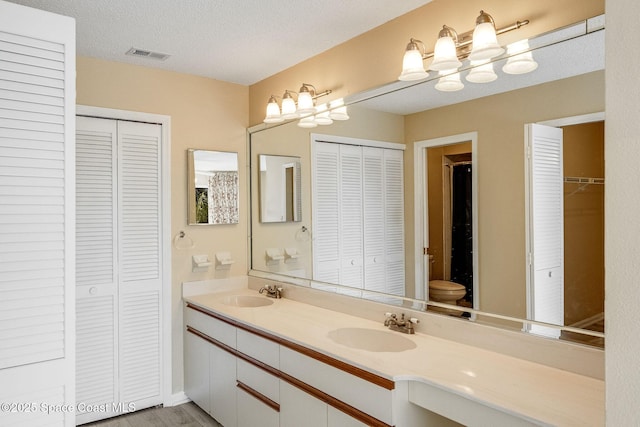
{"type": "Point", "coordinates": [568, 82]}
{"type": "Point", "coordinates": [212, 187]}
{"type": "Point", "coordinates": [280, 184]}
{"type": "Point", "coordinates": [450, 223]}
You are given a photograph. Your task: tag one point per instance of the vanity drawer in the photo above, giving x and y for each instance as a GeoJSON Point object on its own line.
{"type": "Point", "coordinates": [259, 348]}
{"type": "Point", "coordinates": [350, 389]}
{"type": "Point", "coordinates": [211, 326]}
{"type": "Point", "coordinates": [259, 380]}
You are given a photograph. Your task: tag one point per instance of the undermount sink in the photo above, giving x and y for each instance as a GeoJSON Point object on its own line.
{"type": "Point", "coordinates": [371, 339]}
{"type": "Point", "coordinates": [247, 301]}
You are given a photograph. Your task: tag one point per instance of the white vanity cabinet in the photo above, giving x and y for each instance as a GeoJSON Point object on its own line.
{"type": "Point", "coordinates": [210, 369]}
{"type": "Point", "coordinates": [244, 377]}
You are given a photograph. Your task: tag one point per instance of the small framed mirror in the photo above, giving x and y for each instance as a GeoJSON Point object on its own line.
{"type": "Point", "coordinates": [280, 182]}
{"type": "Point", "coordinates": [212, 187]}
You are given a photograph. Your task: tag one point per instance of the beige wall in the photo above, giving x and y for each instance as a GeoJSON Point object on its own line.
{"type": "Point", "coordinates": [499, 121]}
{"type": "Point", "coordinates": [583, 156]}
{"type": "Point", "coordinates": [375, 58]}
{"type": "Point", "coordinates": [206, 114]}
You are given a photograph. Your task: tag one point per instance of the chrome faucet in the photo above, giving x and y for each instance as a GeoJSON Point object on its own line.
{"type": "Point", "coordinates": [272, 291]}
{"type": "Point", "coordinates": [401, 325]}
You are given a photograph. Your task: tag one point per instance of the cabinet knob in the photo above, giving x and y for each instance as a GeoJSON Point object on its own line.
{"type": "Point", "coordinates": [353, 262]}
{"type": "Point", "coordinates": [93, 290]}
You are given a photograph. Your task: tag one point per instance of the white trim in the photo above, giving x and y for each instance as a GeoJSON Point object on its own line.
{"type": "Point", "coordinates": [574, 120]}
{"type": "Point", "coordinates": [420, 209]}
{"type": "Point", "coordinates": [177, 399]}
{"type": "Point", "coordinates": [335, 139]}
{"type": "Point", "coordinates": [165, 122]}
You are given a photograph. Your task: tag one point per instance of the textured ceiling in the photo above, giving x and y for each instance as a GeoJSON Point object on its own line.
{"type": "Point", "coordinates": [239, 41]}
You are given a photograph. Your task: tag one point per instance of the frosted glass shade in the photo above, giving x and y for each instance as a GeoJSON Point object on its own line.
{"type": "Point", "coordinates": [449, 82]}
{"type": "Point", "coordinates": [305, 103]}
{"type": "Point", "coordinates": [338, 110]}
{"type": "Point", "coordinates": [485, 43]}
{"type": "Point", "coordinates": [482, 72]}
{"type": "Point", "coordinates": [322, 117]}
{"type": "Point", "coordinates": [445, 56]}
{"type": "Point", "coordinates": [273, 112]}
{"type": "Point", "coordinates": [307, 122]}
{"type": "Point", "coordinates": [289, 108]}
{"type": "Point", "coordinates": [412, 66]}
{"type": "Point", "coordinates": [519, 63]}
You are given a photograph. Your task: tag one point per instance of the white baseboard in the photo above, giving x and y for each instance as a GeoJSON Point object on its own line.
{"type": "Point", "coordinates": [177, 399]}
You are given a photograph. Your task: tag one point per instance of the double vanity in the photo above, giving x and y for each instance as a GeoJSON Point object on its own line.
{"type": "Point", "coordinates": [306, 359]}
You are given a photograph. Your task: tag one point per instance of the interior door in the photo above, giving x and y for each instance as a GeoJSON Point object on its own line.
{"type": "Point", "coordinates": [37, 221]}
{"type": "Point", "coordinates": [545, 287]}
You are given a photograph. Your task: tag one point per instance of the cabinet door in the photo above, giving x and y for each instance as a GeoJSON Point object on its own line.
{"type": "Point", "coordinates": [340, 419]}
{"type": "Point", "coordinates": [222, 386]}
{"type": "Point", "coordinates": [298, 408]}
{"type": "Point", "coordinates": [196, 370]}
{"type": "Point", "coordinates": [252, 412]}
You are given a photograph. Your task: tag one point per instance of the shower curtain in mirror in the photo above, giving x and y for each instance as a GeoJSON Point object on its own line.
{"type": "Point", "coordinates": [462, 229]}
{"type": "Point", "coordinates": [223, 198]}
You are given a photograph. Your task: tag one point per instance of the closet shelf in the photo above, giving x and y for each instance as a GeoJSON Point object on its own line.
{"type": "Point", "coordinates": [583, 180]}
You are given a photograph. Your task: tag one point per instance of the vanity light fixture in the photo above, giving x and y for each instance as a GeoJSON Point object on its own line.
{"type": "Point", "coordinates": [290, 109]}
{"type": "Point", "coordinates": [481, 44]}
{"type": "Point", "coordinates": [445, 56]}
{"type": "Point", "coordinates": [520, 58]}
{"type": "Point", "coordinates": [485, 41]}
{"type": "Point", "coordinates": [450, 81]}
{"type": "Point", "coordinates": [273, 111]}
{"type": "Point", "coordinates": [337, 110]}
{"type": "Point", "coordinates": [481, 72]}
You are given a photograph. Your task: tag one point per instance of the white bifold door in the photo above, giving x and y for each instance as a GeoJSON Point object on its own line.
{"type": "Point", "coordinates": [358, 217]}
{"type": "Point", "coordinates": [119, 269]}
{"type": "Point", "coordinates": [545, 284]}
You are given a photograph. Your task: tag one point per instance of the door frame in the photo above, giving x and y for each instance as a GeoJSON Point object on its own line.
{"type": "Point", "coordinates": [421, 222]}
{"type": "Point", "coordinates": [166, 329]}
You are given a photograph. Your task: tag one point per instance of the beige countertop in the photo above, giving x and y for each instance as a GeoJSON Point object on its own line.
{"type": "Point", "coordinates": [528, 390]}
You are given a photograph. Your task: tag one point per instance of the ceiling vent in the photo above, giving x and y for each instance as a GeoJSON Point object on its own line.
{"type": "Point", "coordinates": [147, 54]}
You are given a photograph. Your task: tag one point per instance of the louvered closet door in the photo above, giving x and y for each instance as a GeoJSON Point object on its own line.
{"type": "Point", "coordinates": [374, 219]}
{"type": "Point", "coordinates": [139, 255]}
{"type": "Point", "coordinates": [546, 293]}
{"type": "Point", "coordinates": [351, 221]}
{"type": "Point", "coordinates": [326, 200]}
{"type": "Point", "coordinates": [118, 266]}
{"type": "Point", "coordinates": [394, 222]}
{"type": "Point", "coordinates": [96, 264]}
{"type": "Point", "coordinates": [37, 113]}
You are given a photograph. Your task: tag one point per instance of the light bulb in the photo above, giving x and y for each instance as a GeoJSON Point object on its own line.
{"type": "Point", "coordinates": [305, 102]}
{"type": "Point", "coordinates": [288, 107]}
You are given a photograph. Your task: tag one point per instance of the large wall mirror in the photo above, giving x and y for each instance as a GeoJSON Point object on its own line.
{"type": "Point", "coordinates": [479, 130]}
{"type": "Point", "coordinates": [212, 187]}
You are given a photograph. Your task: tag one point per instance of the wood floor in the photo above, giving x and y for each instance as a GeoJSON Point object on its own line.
{"type": "Point", "coordinates": [185, 415]}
